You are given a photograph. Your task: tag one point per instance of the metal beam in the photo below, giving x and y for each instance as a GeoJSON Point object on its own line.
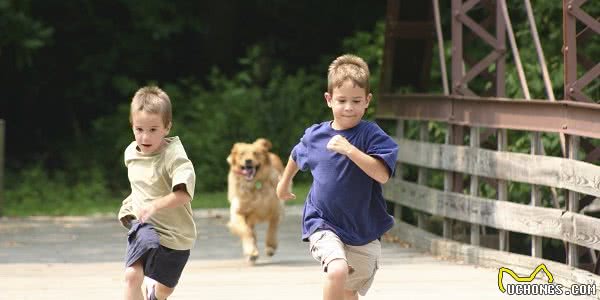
{"type": "Point", "coordinates": [568, 117]}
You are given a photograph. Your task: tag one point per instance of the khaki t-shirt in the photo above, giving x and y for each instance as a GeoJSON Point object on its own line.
{"type": "Point", "coordinates": [153, 176]}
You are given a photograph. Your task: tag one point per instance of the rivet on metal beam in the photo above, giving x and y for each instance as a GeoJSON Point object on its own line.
{"type": "Point", "coordinates": [564, 126]}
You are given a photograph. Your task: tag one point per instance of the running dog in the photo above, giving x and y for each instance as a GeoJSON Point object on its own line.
{"type": "Point", "coordinates": [252, 179]}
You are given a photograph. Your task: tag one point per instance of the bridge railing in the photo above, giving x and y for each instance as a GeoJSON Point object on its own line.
{"type": "Point", "coordinates": [457, 202]}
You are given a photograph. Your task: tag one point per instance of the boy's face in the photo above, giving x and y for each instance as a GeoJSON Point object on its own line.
{"type": "Point", "coordinates": [348, 103]}
{"type": "Point", "coordinates": [149, 131]}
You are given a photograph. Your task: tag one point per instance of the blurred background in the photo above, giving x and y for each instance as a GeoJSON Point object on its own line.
{"type": "Point", "coordinates": [235, 71]}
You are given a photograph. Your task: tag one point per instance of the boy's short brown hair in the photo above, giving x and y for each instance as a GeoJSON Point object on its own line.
{"type": "Point", "coordinates": [346, 67]}
{"type": "Point", "coordinates": [152, 99]}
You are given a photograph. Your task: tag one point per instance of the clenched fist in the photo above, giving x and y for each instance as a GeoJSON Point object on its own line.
{"type": "Point", "coordinates": [340, 145]}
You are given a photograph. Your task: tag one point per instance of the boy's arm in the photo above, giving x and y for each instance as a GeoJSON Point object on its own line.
{"type": "Point", "coordinates": [284, 185]}
{"type": "Point", "coordinates": [374, 167]}
{"type": "Point", "coordinates": [179, 196]}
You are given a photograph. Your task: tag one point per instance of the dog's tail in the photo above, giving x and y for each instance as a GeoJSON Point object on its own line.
{"type": "Point", "coordinates": [264, 142]}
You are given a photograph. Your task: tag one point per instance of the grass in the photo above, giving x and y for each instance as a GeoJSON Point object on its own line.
{"type": "Point", "coordinates": [219, 199]}
{"type": "Point", "coordinates": [55, 205]}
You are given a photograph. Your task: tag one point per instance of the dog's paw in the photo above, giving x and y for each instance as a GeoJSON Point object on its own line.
{"type": "Point", "coordinates": [270, 251]}
{"type": "Point", "coordinates": [252, 259]}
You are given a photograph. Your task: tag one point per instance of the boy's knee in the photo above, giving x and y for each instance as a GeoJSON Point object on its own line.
{"type": "Point", "coordinates": [134, 275]}
{"type": "Point", "coordinates": [350, 295]}
{"type": "Point", "coordinates": [162, 291]}
{"type": "Point", "coordinates": [337, 270]}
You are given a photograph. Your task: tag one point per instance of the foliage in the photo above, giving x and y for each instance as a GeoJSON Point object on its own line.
{"type": "Point", "coordinates": [36, 191]}
{"type": "Point", "coordinates": [261, 94]}
{"type": "Point", "coordinates": [261, 100]}
{"type": "Point", "coordinates": [21, 35]}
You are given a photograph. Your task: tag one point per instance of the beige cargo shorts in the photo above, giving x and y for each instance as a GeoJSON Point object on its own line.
{"type": "Point", "coordinates": [363, 261]}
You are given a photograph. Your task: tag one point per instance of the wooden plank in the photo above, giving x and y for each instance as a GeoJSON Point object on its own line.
{"type": "Point", "coordinates": [548, 222]}
{"type": "Point", "coordinates": [556, 172]}
{"type": "Point", "coordinates": [426, 241]}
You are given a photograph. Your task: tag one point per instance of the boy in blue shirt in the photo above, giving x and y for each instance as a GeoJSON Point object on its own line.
{"type": "Point", "coordinates": [344, 214]}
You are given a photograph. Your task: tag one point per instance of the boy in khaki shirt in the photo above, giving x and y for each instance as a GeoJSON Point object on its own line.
{"type": "Point", "coordinates": [158, 212]}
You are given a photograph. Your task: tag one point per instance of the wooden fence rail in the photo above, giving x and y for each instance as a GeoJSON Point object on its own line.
{"type": "Point", "coordinates": [541, 221]}
{"type": "Point", "coordinates": [533, 169]}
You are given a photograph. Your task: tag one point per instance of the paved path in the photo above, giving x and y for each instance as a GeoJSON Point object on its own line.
{"type": "Point", "coordinates": [81, 258]}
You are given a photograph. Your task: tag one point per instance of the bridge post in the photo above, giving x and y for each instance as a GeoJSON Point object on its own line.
{"type": "Point", "coordinates": [448, 183]}
{"type": "Point", "coordinates": [399, 172]}
{"type": "Point", "coordinates": [503, 238]}
{"type": "Point", "coordinates": [502, 135]}
{"type": "Point", "coordinates": [474, 141]}
{"type": "Point", "coordinates": [1, 166]}
{"type": "Point", "coordinates": [573, 201]}
{"type": "Point", "coordinates": [422, 175]}
{"type": "Point", "coordinates": [536, 195]}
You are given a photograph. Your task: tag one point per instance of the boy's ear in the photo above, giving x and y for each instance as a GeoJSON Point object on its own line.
{"type": "Point", "coordinates": [369, 97]}
{"type": "Point", "coordinates": [169, 127]}
{"type": "Point", "coordinates": [327, 98]}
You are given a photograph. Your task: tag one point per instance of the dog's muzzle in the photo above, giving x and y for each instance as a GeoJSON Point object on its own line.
{"type": "Point", "coordinates": [249, 171]}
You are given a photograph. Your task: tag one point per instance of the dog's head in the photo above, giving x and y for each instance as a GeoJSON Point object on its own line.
{"type": "Point", "coordinates": [248, 160]}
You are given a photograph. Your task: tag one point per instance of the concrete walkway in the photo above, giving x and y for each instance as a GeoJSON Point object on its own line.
{"type": "Point", "coordinates": [81, 258]}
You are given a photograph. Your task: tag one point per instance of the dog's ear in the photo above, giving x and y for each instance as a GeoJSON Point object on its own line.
{"type": "Point", "coordinates": [231, 157]}
{"type": "Point", "coordinates": [264, 143]}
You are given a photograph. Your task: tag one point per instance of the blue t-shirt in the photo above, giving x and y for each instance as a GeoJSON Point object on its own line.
{"type": "Point", "coordinates": [343, 198]}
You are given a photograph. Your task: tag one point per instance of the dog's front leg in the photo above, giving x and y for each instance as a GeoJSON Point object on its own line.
{"type": "Point", "coordinates": [239, 226]}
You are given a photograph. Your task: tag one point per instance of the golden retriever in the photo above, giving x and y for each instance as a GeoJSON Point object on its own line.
{"type": "Point", "coordinates": [251, 182]}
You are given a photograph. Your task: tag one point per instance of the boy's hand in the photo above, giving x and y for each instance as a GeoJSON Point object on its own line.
{"type": "Point", "coordinates": [340, 145]}
{"type": "Point", "coordinates": [126, 221]}
{"type": "Point", "coordinates": [283, 191]}
{"type": "Point", "coordinates": [146, 212]}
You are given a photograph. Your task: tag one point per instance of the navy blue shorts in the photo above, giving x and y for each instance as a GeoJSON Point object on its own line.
{"type": "Point", "coordinates": [160, 263]}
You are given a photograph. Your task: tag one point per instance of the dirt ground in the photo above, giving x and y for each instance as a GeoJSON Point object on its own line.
{"type": "Point", "coordinates": [82, 258]}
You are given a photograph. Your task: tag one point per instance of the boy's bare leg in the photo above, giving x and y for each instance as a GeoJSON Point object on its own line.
{"type": "Point", "coordinates": [350, 295]}
{"type": "Point", "coordinates": [163, 291]}
{"type": "Point", "coordinates": [134, 275]}
{"type": "Point", "coordinates": [337, 273]}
